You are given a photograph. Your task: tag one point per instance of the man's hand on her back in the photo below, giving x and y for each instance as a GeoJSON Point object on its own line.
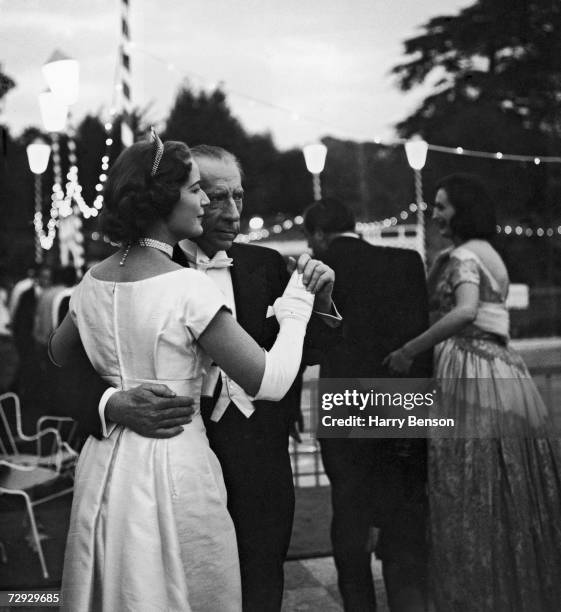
{"type": "Point", "coordinates": [151, 410]}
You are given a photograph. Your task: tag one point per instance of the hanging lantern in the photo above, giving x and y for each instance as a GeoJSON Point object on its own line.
{"type": "Point", "coordinates": [416, 151]}
{"type": "Point", "coordinates": [53, 112]}
{"type": "Point", "coordinates": [38, 153]}
{"type": "Point", "coordinates": [62, 74]}
{"type": "Point", "coordinates": [314, 154]}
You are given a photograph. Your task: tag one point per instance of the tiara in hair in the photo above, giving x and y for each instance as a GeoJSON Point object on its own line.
{"type": "Point", "coordinates": [159, 151]}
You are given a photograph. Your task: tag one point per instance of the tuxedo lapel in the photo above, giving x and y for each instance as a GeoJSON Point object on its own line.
{"type": "Point", "coordinates": [249, 281]}
{"type": "Point", "coordinates": [179, 256]}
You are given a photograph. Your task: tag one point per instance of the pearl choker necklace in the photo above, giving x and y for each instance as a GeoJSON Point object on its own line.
{"type": "Point", "coordinates": [157, 244]}
{"type": "Point", "coordinates": [164, 247]}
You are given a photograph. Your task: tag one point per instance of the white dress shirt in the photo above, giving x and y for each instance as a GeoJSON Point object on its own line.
{"type": "Point", "coordinates": [231, 391]}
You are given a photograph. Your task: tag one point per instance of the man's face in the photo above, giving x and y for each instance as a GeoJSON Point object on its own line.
{"type": "Point", "coordinates": [222, 183]}
{"type": "Point", "coordinates": [443, 213]}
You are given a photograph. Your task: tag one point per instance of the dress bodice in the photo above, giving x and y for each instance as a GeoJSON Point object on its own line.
{"type": "Point", "coordinates": [146, 330]}
{"type": "Point", "coordinates": [464, 266]}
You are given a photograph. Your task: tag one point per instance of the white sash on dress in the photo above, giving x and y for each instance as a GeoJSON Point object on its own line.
{"type": "Point", "coordinates": [492, 317]}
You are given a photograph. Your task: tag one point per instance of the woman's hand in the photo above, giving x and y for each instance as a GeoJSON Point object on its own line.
{"type": "Point", "coordinates": [399, 361]}
{"type": "Point", "coordinates": [318, 278]}
{"type": "Point", "coordinates": [296, 302]}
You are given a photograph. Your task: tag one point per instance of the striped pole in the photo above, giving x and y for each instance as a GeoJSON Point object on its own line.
{"type": "Point", "coordinates": [38, 215]}
{"type": "Point", "coordinates": [420, 213]}
{"type": "Point", "coordinates": [317, 186]}
{"type": "Point", "coordinates": [127, 135]}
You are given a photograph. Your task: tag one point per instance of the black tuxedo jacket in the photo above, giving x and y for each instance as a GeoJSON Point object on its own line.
{"type": "Point", "coordinates": [24, 319]}
{"type": "Point", "coordinates": [259, 277]}
{"type": "Point", "coordinates": [381, 294]}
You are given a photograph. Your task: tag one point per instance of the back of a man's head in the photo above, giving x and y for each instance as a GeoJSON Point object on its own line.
{"type": "Point", "coordinates": [330, 216]}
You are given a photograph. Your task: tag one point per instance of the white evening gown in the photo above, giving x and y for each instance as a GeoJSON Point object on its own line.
{"type": "Point", "coordinates": [149, 528]}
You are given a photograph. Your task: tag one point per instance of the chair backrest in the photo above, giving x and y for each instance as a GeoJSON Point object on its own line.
{"type": "Point", "coordinates": [10, 423]}
{"type": "Point", "coordinates": [66, 427]}
{"type": "Point", "coordinates": [47, 446]}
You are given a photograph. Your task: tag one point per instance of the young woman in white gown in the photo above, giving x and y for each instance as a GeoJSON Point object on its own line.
{"type": "Point", "coordinates": [149, 528]}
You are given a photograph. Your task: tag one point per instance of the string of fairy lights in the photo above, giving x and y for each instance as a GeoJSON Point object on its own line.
{"type": "Point", "coordinates": [63, 199]}
{"type": "Point", "coordinates": [278, 228]}
{"type": "Point", "coordinates": [297, 116]}
{"type": "Point", "coordinates": [288, 223]}
{"type": "Point", "coordinates": [98, 201]}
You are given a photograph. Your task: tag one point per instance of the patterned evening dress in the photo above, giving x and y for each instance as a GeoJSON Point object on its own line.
{"type": "Point", "coordinates": [495, 493]}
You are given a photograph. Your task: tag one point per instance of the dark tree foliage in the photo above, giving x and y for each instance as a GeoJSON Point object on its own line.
{"type": "Point", "coordinates": [504, 54]}
{"type": "Point", "coordinates": [198, 118]}
{"type": "Point", "coordinates": [494, 71]}
{"type": "Point", "coordinates": [205, 118]}
{"type": "Point", "coordinates": [90, 143]}
{"type": "Point", "coordinates": [16, 203]}
{"type": "Point", "coordinates": [6, 83]}
{"type": "Point", "coordinates": [16, 193]}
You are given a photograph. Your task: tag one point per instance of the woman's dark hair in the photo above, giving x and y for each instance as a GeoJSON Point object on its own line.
{"type": "Point", "coordinates": [133, 199]}
{"type": "Point", "coordinates": [329, 215]}
{"type": "Point", "coordinates": [474, 215]}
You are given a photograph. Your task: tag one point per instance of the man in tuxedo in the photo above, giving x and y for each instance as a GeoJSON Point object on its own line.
{"type": "Point", "coordinates": [381, 295]}
{"type": "Point", "coordinates": [249, 438]}
{"type": "Point", "coordinates": [25, 310]}
{"type": "Point", "coordinates": [29, 375]}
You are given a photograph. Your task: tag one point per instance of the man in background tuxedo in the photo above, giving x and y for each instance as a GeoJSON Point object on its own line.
{"type": "Point", "coordinates": [29, 378]}
{"type": "Point", "coordinates": [381, 295]}
{"type": "Point", "coordinates": [249, 438]}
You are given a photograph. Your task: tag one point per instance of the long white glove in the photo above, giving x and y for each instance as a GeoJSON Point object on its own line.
{"type": "Point", "coordinates": [282, 362]}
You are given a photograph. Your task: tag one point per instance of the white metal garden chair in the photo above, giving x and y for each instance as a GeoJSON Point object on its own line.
{"type": "Point", "coordinates": [32, 475]}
